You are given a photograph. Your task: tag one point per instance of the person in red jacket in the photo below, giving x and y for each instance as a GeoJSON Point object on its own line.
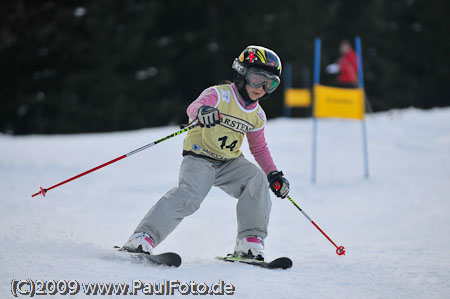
{"type": "Point", "coordinates": [346, 66]}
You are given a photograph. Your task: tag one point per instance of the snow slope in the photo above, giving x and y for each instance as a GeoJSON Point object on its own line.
{"type": "Point", "coordinates": [395, 226]}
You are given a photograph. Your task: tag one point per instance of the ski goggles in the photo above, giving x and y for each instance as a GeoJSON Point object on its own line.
{"type": "Point", "coordinates": [256, 78]}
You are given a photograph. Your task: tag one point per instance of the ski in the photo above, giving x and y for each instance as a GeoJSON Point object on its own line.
{"type": "Point", "coordinates": [279, 263]}
{"type": "Point", "coordinates": [170, 259]}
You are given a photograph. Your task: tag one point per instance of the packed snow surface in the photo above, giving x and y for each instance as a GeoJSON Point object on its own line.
{"type": "Point", "coordinates": [395, 225]}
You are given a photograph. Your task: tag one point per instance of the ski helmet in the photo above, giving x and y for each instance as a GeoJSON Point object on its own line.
{"type": "Point", "coordinates": [257, 66]}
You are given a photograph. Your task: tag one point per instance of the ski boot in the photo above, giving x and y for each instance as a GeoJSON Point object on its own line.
{"type": "Point", "coordinates": [250, 247]}
{"type": "Point", "coordinates": [140, 243]}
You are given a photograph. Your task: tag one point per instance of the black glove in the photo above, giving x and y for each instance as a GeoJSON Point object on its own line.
{"type": "Point", "coordinates": [278, 183]}
{"type": "Point", "coordinates": [208, 116]}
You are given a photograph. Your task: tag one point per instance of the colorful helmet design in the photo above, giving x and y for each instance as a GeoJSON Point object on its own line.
{"type": "Point", "coordinates": [253, 65]}
{"type": "Point", "coordinates": [258, 57]}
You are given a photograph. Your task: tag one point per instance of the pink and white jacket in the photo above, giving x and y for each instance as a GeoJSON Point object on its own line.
{"type": "Point", "coordinates": [256, 140]}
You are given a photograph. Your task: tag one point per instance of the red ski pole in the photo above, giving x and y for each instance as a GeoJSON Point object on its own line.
{"type": "Point", "coordinates": [340, 250]}
{"type": "Point", "coordinates": [43, 191]}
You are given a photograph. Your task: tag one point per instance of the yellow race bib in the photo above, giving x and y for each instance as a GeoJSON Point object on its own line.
{"type": "Point", "coordinates": [223, 142]}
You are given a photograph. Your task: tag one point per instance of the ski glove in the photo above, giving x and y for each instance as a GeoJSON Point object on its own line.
{"type": "Point", "coordinates": [208, 116]}
{"type": "Point", "coordinates": [278, 183]}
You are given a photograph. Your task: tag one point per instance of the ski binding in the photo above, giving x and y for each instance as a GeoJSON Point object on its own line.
{"type": "Point", "coordinates": [170, 259]}
{"type": "Point", "coordinates": [279, 263]}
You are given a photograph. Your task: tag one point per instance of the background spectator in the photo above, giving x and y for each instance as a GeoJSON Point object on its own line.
{"type": "Point", "coordinates": [346, 68]}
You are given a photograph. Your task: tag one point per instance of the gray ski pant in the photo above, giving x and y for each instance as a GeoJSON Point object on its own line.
{"type": "Point", "coordinates": [238, 177]}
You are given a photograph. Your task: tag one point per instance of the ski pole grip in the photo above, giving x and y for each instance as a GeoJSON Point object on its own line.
{"type": "Point", "coordinates": [276, 186]}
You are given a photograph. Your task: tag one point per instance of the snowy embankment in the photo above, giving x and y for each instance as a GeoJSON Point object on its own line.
{"type": "Point", "coordinates": [395, 226]}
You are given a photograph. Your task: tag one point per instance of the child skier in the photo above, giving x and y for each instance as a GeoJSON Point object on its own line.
{"type": "Point", "coordinates": [212, 158]}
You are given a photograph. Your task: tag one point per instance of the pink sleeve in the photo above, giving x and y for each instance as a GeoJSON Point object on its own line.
{"type": "Point", "coordinates": [207, 98]}
{"type": "Point", "coordinates": [259, 149]}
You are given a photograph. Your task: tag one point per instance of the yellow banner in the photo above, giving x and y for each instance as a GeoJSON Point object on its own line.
{"type": "Point", "coordinates": [297, 97]}
{"type": "Point", "coordinates": [338, 102]}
